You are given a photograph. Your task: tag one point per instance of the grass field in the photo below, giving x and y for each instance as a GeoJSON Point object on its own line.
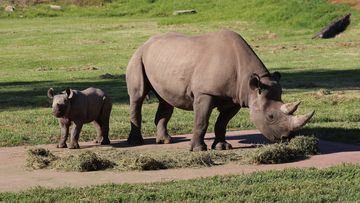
{"type": "Point", "coordinates": [336, 184]}
{"type": "Point", "coordinates": [75, 47]}
{"type": "Point", "coordinates": [38, 53]}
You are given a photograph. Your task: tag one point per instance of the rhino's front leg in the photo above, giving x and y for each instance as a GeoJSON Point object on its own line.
{"type": "Point", "coordinates": [74, 142]}
{"type": "Point", "coordinates": [64, 131]}
{"type": "Point", "coordinates": [226, 114]}
{"type": "Point", "coordinates": [203, 106]}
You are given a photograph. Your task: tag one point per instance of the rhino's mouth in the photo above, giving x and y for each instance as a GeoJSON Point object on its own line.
{"type": "Point", "coordinates": [58, 114]}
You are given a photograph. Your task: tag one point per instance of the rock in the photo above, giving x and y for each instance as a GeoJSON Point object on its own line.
{"type": "Point", "coordinates": [334, 28]}
{"type": "Point", "coordinates": [181, 12]}
{"type": "Point", "coordinates": [55, 7]}
{"type": "Point", "coordinates": [9, 9]}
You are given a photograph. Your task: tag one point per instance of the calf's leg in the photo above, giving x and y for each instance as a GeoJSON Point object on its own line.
{"type": "Point", "coordinates": [64, 131]}
{"type": "Point", "coordinates": [74, 142]}
{"type": "Point", "coordinates": [104, 122]}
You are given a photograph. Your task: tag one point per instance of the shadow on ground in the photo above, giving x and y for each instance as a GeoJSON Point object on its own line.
{"type": "Point", "coordinates": [320, 78]}
{"type": "Point", "coordinates": [115, 86]}
{"type": "Point", "coordinates": [252, 140]}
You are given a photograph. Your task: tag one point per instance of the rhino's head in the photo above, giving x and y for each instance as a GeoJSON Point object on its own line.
{"type": "Point", "coordinates": [61, 102]}
{"type": "Point", "coordinates": [273, 118]}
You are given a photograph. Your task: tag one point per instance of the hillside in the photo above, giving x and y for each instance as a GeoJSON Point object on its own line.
{"type": "Point", "coordinates": [302, 14]}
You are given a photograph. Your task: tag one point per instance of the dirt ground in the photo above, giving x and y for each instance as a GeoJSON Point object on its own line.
{"type": "Point", "coordinates": [354, 3]}
{"type": "Point", "coordinates": [15, 177]}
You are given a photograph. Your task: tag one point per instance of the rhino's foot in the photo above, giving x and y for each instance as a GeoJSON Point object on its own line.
{"type": "Point", "coordinates": [61, 145]}
{"type": "Point", "coordinates": [105, 142]}
{"type": "Point", "coordinates": [164, 139]}
{"type": "Point", "coordinates": [199, 147]}
{"type": "Point", "coordinates": [74, 145]}
{"type": "Point", "coordinates": [221, 146]}
{"type": "Point", "coordinates": [135, 140]}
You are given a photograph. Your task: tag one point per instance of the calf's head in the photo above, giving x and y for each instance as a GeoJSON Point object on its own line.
{"type": "Point", "coordinates": [61, 102]}
{"type": "Point", "coordinates": [273, 118]}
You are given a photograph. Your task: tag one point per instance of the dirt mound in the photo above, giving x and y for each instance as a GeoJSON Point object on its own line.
{"type": "Point", "coordinates": [354, 3]}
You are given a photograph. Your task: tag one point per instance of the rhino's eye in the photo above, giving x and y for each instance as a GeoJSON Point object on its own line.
{"type": "Point", "coordinates": [270, 117]}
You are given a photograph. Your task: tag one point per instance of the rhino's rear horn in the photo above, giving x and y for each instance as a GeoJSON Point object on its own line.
{"type": "Point", "coordinates": [299, 121]}
{"type": "Point", "coordinates": [289, 108]}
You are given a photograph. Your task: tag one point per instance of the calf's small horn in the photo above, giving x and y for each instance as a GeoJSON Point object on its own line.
{"type": "Point", "coordinates": [299, 121]}
{"type": "Point", "coordinates": [289, 108]}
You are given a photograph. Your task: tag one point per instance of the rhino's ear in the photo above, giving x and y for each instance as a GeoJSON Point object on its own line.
{"type": "Point", "coordinates": [276, 75]}
{"type": "Point", "coordinates": [50, 93]}
{"type": "Point", "coordinates": [254, 81]}
{"type": "Point", "coordinates": [69, 92]}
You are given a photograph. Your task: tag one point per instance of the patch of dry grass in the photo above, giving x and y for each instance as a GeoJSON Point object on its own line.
{"type": "Point", "coordinates": [298, 148]}
{"type": "Point", "coordinates": [127, 160]}
{"type": "Point", "coordinates": [84, 161]}
{"type": "Point", "coordinates": [39, 158]}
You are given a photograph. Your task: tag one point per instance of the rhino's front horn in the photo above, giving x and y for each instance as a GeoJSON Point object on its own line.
{"type": "Point", "coordinates": [299, 121]}
{"type": "Point", "coordinates": [289, 108]}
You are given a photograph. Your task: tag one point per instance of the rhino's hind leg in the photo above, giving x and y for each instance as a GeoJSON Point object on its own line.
{"type": "Point", "coordinates": [138, 87]}
{"type": "Point", "coordinates": [203, 106]}
{"type": "Point", "coordinates": [226, 114]}
{"type": "Point", "coordinates": [103, 123]}
{"type": "Point", "coordinates": [162, 118]}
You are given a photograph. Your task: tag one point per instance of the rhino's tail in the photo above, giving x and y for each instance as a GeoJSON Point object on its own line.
{"type": "Point", "coordinates": [138, 85]}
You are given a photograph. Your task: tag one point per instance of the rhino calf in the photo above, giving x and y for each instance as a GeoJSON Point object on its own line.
{"type": "Point", "coordinates": [80, 107]}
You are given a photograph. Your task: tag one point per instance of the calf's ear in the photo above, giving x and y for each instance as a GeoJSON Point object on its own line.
{"type": "Point", "coordinates": [276, 76]}
{"type": "Point", "coordinates": [50, 93]}
{"type": "Point", "coordinates": [69, 92]}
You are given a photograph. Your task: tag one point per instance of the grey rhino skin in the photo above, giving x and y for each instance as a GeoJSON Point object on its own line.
{"type": "Point", "coordinates": [200, 73]}
{"type": "Point", "coordinates": [80, 107]}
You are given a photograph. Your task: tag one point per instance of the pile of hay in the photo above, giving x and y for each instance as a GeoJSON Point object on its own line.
{"type": "Point", "coordinates": [298, 148]}
{"type": "Point", "coordinates": [85, 161]}
{"type": "Point", "coordinates": [39, 158]}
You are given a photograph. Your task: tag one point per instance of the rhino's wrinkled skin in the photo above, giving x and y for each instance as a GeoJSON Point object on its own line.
{"type": "Point", "coordinates": [80, 107]}
{"type": "Point", "coordinates": [200, 73]}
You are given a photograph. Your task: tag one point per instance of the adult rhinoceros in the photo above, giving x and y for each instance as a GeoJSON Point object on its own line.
{"type": "Point", "coordinates": [200, 73]}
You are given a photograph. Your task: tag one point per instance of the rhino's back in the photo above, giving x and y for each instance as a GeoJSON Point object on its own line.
{"type": "Point", "coordinates": [180, 66]}
{"type": "Point", "coordinates": [89, 103]}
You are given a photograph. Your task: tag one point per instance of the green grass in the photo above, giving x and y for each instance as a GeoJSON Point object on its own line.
{"type": "Point", "coordinates": [336, 184]}
{"type": "Point", "coordinates": [59, 52]}
{"type": "Point", "coordinates": [304, 13]}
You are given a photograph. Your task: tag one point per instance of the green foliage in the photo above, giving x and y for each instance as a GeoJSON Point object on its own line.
{"type": "Point", "coordinates": [336, 184]}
